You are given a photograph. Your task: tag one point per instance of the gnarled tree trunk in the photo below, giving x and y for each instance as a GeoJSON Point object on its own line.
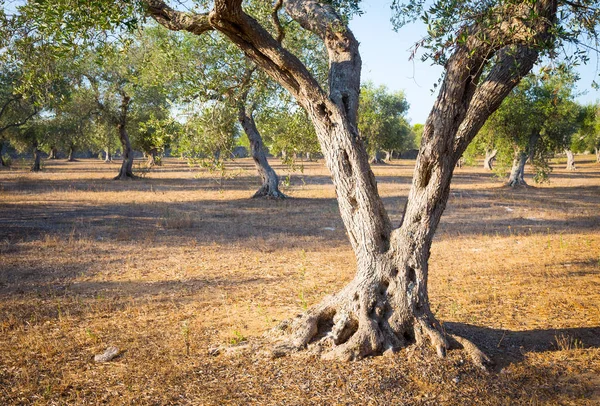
{"type": "Point", "coordinates": [126, 171]}
{"type": "Point", "coordinates": [570, 160]}
{"type": "Point", "coordinates": [490, 157]}
{"type": "Point", "coordinates": [270, 180]}
{"type": "Point", "coordinates": [386, 305]}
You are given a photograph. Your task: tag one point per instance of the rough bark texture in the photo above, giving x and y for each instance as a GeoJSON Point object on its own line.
{"type": "Point", "coordinates": [490, 157]}
{"type": "Point", "coordinates": [126, 171]}
{"type": "Point", "coordinates": [570, 160]}
{"type": "Point", "coordinates": [270, 180]}
{"type": "Point", "coordinates": [386, 305]}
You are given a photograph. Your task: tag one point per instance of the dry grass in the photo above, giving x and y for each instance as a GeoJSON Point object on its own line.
{"type": "Point", "coordinates": [181, 261]}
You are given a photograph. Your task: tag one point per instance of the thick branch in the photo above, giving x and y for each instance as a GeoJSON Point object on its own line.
{"type": "Point", "coordinates": [513, 63]}
{"type": "Point", "coordinates": [344, 58]}
{"type": "Point", "coordinates": [177, 20]}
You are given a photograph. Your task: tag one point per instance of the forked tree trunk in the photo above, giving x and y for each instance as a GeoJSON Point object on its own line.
{"type": "Point", "coordinates": [490, 157]}
{"type": "Point", "coordinates": [386, 305]}
{"type": "Point", "coordinates": [270, 180]}
{"type": "Point", "coordinates": [570, 160]}
{"type": "Point", "coordinates": [126, 171]}
{"type": "Point", "coordinates": [517, 172]}
{"type": "Point", "coordinates": [37, 157]}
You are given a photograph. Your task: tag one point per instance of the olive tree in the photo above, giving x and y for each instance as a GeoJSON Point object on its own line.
{"type": "Point", "coordinates": [486, 48]}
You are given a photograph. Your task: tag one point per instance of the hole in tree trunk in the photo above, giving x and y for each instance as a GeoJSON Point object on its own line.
{"type": "Point", "coordinates": [408, 335]}
{"type": "Point", "coordinates": [383, 287]}
{"type": "Point", "coordinates": [411, 276]}
{"type": "Point", "coordinates": [394, 272]}
{"type": "Point", "coordinates": [426, 174]}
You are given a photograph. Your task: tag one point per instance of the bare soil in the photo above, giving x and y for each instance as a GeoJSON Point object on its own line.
{"type": "Point", "coordinates": [180, 262]}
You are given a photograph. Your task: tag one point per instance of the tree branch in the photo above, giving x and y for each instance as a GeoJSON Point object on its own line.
{"type": "Point", "coordinates": [177, 20]}
{"type": "Point", "coordinates": [342, 48]}
{"type": "Point", "coordinates": [19, 123]}
{"type": "Point", "coordinates": [513, 63]}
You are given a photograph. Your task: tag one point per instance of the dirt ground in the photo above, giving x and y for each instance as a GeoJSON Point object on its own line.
{"type": "Point", "coordinates": [177, 263]}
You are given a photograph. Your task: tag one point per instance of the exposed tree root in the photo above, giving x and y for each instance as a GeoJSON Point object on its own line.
{"type": "Point", "coordinates": [127, 176]}
{"type": "Point", "coordinates": [346, 327]}
{"type": "Point", "coordinates": [269, 193]}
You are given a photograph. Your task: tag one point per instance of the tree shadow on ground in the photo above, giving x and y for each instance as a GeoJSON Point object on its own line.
{"type": "Point", "coordinates": [506, 347]}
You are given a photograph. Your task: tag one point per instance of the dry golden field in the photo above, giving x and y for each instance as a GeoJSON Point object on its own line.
{"type": "Point", "coordinates": [180, 262]}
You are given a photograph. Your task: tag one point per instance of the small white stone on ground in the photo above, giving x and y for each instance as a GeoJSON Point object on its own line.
{"type": "Point", "coordinates": [109, 354]}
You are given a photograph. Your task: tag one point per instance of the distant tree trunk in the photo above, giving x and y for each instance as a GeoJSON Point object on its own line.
{"type": "Point", "coordinates": [283, 155]}
{"type": "Point", "coordinates": [107, 156]}
{"type": "Point", "coordinates": [517, 172]}
{"type": "Point", "coordinates": [217, 155]}
{"type": "Point", "coordinates": [2, 163]}
{"type": "Point", "coordinates": [377, 158]}
{"type": "Point", "coordinates": [570, 160]}
{"type": "Point", "coordinates": [597, 154]}
{"type": "Point", "coordinates": [460, 162]}
{"type": "Point", "coordinates": [53, 153]}
{"type": "Point", "coordinates": [308, 157]}
{"type": "Point", "coordinates": [37, 156]}
{"type": "Point", "coordinates": [151, 157]}
{"type": "Point", "coordinates": [270, 180]}
{"type": "Point", "coordinates": [388, 156]}
{"type": "Point", "coordinates": [70, 158]}
{"type": "Point", "coordinates": [490, 157]}
{"type": "Point", "coordinates": [126, 171]}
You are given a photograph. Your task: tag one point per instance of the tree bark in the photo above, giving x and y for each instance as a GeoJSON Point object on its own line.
{"type": "Point", "coordinates": [37, 156]}
{"type": "Point", "coordinates": [570, 160]}
{"type": "Point", "coordinates": [126, 171]}
{"type": "Point", "coordinates": [270, 180]}
{"type": "Point", "coordinates": [490, 157]}
{"type": "Point", "coordinates": [386, 305]}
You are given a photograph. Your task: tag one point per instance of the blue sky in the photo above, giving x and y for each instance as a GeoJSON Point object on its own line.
{"type": "Point", "coordinates": [385, 56]}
